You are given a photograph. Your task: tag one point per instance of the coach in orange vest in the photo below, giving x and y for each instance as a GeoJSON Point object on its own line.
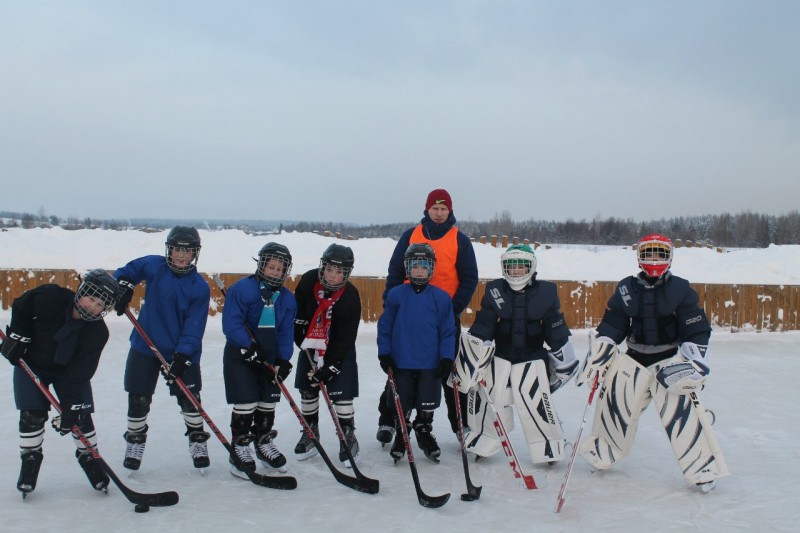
{"type": "Point", "coordinates": [456, 272]}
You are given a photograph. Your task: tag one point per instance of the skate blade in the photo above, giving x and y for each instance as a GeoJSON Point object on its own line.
{"type": "Point", "coordinates": [308, 455]}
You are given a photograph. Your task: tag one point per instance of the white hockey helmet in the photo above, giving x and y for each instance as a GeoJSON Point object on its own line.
{"type": "Point", "coordinates": [519, 265]}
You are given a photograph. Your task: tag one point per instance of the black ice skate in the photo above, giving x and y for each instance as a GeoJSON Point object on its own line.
{"type": "Point", "coordinates": [385, 435]}
{"type": "Point", "coordinates": [427, 442]}
{"type": "Point", "coordinates": [305, 446]}
{"type": "Point", "coordinates": [29, 471]}
{"type": "Point", "coordinates": [398, 450]}
{"type": "Point", "coordinates": [241, 446]}
{"type": "Point", "coordinates": [198, 449]}
{"type": "Point", "coordinates": [134, 449]}
{"type": "Point", "coordinates": [352, 443]}
{"type": "Point", "coordinates": [98, 479]}
{"type": "Point", "coordinates": [268, 453]}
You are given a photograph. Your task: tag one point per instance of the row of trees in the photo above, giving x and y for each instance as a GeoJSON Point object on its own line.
{"type": "Point", "coordinates": [746, 230]}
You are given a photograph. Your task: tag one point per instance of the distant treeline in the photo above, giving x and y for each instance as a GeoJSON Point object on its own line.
{"type": "Point", "coordinates": [746, 230]}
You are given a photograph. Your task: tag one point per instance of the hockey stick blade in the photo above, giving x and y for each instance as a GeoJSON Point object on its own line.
{"type": "Point", "coordinates": [158, 499]}
{"type": "Point", "coordinates": [270, 482]}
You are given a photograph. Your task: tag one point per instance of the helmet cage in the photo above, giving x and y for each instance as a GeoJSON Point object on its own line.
{"type": "Point", "coordinates": [654, 253]}
{"type": "Point", "coordinates": [286, 264]}
{"type": "Point", "coordinates": [99, 285]}
{"type": "Point", "coordinates": [419, 254]}
{"type": "Point", "coordinates": [513, 258]}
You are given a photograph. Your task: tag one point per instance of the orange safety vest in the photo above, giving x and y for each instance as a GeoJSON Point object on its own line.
{"type": "Point", "coordinates": [445, 275]}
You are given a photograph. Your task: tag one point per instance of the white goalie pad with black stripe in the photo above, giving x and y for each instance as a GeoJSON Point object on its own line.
{"type": "Point", "coordinates": [474, 356]}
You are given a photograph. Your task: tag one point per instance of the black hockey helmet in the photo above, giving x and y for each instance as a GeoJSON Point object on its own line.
{"type": "Point", "coordinates": [419, 254]}
{"type": "Point", "coordinates": [279, 252]}
{"type": "Point", "coordinates": [183, 238]}
{"type": "Point", "coordinates": [100, 285]}
{"type": "Point", "coordinates": [340, 259]}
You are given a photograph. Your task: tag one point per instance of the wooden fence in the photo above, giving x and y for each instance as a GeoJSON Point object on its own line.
{"type": "Point", "coordinates": [733, 307]}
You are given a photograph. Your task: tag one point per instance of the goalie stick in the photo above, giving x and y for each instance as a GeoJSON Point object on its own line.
{"type": "Point", "coordinates": [424, 500]}
{"type": "Point", "coordinates": [158, 499]}
{"type": "Point", "coordinates": [500, 428]}
{"type": "Point", "coordinates": [361, 483]}
{"type": "Point", "coordinates": [272, 482]}
{"type": "Point", "coordinates": [561, 498]}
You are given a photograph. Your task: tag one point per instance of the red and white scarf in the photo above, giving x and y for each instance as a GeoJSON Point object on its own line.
{"type": "Point", "coordinates": [320, 325]}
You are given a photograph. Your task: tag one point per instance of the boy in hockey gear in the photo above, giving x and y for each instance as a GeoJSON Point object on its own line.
{"type": "Point", "coordinates": [328, 316]}
{"type": "Point", "coordinates": [259, 305]}
{"type": "Point", "coordinates": [416, 334]}
{"type": "Point", "coordinates": [456, 274]}
{"type": "Point", "coordinates": [60, 335]}
{"type": "Point", "coordinates": [666, 361]}
{"type": "Point", "coordinates": [174, 316]}
{"type": "Point", "coordinates": [533, 357]}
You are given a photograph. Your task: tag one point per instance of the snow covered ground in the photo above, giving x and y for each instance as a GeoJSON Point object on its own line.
{"type": "Point", "coordinates": [752, 390]}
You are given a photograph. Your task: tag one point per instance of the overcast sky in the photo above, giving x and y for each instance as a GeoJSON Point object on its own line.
{"type": "Point", "coordinates": [353, 111]}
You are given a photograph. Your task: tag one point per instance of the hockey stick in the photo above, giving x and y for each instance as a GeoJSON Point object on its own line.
{"type": "Point", "coordinates": [473, 493]}
{"type": "Point", "coordinates": [361, 484]}
{"type": "Point", "coordinates": [561, 499]}
{"type": "Point", "coordinates": [424, 499]}
{"type": "Point", "coordinates": [513, 462]}
{"type": "Point", "coordinates": [339, 432]}
{"type": "Point", "coordinates": [159, 499]}
{"type": "Point", "coordinates": [272, 482]}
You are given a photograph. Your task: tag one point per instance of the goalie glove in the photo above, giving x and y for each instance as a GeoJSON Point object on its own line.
{"type": "Point", "coordinates": [563, 365]}
{"type": "Point", "coordinates": [474, 357]}
{"type": "Point", "coordinates": [684, 377]}
{"type": "Point", "coordinates": [601, 351]}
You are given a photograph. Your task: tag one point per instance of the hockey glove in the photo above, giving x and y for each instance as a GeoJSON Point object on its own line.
{"type": "Point", "coordinates": [15, 346]}
{"type": "Point", "coordinates": [445, 368]}
{"type": "Point", "coordinates": [180, 364]}
{"type": "Point", "coordinates": [563, 365]}
{"type": "Point", "coordinates": [325, 374]}
{"type": "Point", "coordinates": [277, 372]}
{"type": "Point", "coordinates": [601, 351]}
{"type": "Point", "coordinates": [125, 290]}
{"type": "Point", "coordinates": [68, 418]}
{"type": "Point", "coordinates": [387, 363]}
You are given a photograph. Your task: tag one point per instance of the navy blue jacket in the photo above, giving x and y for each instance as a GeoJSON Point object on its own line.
{"type": "Point", "coordinates": [654, 317]}
{"type": "Point", "coordinates": [521, 322]}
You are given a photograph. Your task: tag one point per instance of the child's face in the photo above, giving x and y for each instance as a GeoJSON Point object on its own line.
{"type": "Point", "coordinates": [92, 304]}
{"type": "Point", "coordinates": [273, 269]}
{"type": "Point", "coordinates": [333, 275]}
{"type": "Point", "coordinates": [182, 257]}
{"type": "Point", "coordinates": [419, 271]}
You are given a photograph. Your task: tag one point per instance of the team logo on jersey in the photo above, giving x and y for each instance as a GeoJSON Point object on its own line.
{"type": "Point", "coordinates": [498, 297]}
{"type": "Point", "coordinates": [626, 297]}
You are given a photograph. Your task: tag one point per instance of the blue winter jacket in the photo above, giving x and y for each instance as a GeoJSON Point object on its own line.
{"type": "Point", "coordinates": [417, 329]}
{"type": "Point", "coordinates": [175, 311]}
{"type": "Point", "coordinates": [243, 305]}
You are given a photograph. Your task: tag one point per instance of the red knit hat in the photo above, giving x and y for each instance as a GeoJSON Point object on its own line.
{"type": "Point", "coordinates": [439, 196]}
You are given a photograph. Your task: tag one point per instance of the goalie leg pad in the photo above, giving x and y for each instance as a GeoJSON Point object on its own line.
{"type": "Point", "coordinates": [623, 398]}
{"type": "Point", "coordinates": [472, 360]}
{"type": "Point", "coordinates": [690, 435]}
{"type": "Point", "coordinates": [537, 415]}
{"type": "Point", "coordinates": [483, 439]}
